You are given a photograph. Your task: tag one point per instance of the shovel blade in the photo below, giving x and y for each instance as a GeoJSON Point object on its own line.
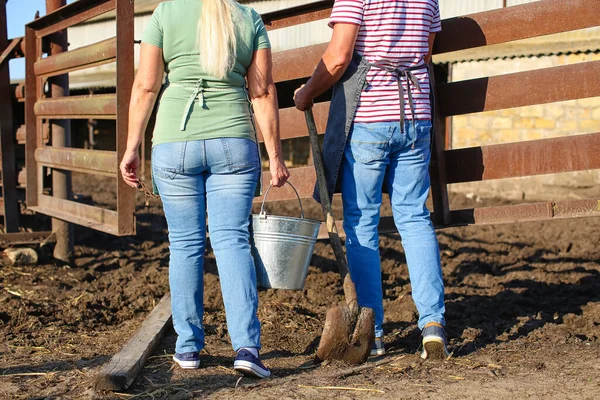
{"type": "Point", "coordinates": [348, 335]}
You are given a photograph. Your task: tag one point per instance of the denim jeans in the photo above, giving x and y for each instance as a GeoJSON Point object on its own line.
{"type": "Point", "coordinates": [378, 153]}
{"type": "Point", "coordinates": [218, 177]}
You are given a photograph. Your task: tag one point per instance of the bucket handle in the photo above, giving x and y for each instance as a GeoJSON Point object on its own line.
{"type": "Point", "coordinates": [263, 214]}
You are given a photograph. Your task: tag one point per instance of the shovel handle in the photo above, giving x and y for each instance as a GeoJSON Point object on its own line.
{"type": "Point", "coordinates": [334, 238]}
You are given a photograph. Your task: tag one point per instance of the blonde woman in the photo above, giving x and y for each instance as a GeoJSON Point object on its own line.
{"type": "Point", "coordinates": [205, 158]}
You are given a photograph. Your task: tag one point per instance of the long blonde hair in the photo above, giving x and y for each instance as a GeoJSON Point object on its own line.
{"type": "Point", "coordinates": [216, 39]}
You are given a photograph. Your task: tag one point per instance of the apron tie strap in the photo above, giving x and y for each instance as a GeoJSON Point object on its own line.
{"type": "Point", "coordinates": [410, 78]}
{"type": "Point", "coordinates": [197, 93]}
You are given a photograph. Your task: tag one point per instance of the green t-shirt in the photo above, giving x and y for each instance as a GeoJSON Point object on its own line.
{"type": "Point", "coordinates": [227, 113]}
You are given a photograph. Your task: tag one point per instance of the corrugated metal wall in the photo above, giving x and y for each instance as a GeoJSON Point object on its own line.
{"type": "Point", "coordinates": [319, 32]}
{"type": "Point", "coordinates": [287, 38]}
{"type": "Point", "coordinates": [273, 5]}
{"type": "Point", "coordinates": [297, 36]}
{"type": "Point", "coordinates": [453, 8]}
{"type": "Point", "coordinates": [448, 8]}
{"type": "Point", "coordinates": [517, 2]}
{"type": "Point", "coordinates": [84, 35]}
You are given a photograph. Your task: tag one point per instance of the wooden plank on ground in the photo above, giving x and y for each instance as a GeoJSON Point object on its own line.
{"type": "Point", "coordinates": [24, 238]}
{"type": "Point", "coordinates": [119, 373]}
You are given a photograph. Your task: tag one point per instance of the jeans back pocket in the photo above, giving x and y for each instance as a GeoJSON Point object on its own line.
{"type": "Point", "coordinates": [241, 155]}
{"type": "Point", "coordinates": [369, 142]}
{"type": "Point", "coordinates": [167, 159]}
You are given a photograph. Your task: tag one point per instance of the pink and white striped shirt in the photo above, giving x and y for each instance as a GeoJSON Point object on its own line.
{"type": "Point", "coordinates": [393, 34]}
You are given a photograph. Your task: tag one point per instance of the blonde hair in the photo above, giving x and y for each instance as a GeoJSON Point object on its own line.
{"type": "Point", "coordinates": [216, 39]}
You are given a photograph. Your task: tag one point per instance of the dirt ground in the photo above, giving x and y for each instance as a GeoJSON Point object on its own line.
{"type": "Point", "coordinates": [523, 318]}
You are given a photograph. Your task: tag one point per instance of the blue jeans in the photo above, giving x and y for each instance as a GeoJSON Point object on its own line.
{"type": "Point", "coordinates": [376, 153]}
{"type": "Point", "coordinates": [218, 177]}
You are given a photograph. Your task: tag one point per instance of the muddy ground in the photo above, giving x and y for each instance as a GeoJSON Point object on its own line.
{"type": "Point", "coordinates": [523, 314]}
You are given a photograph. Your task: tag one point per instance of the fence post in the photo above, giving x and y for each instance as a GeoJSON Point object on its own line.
{"type": "Point", "coordinates": [61, 137]}
{"type": "Point", "coordinates": [439, 186]}
{"type": "Point", "coordinates": [7, 136]}
{"type": "Point", "coordinates": [125, 75]}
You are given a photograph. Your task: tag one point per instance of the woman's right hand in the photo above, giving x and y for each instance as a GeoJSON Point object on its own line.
{"type": "Point", "coordinates": [129, 167]}
{"type": "Point", "coordinates": [279, 172]}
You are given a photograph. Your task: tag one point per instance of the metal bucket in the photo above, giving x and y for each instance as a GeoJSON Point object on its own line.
{"type": "Point", "coordinates": [282, 247]}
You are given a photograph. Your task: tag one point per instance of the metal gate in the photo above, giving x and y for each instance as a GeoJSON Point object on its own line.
{"type": "Point", "coordinates": [291, 68]}
{"type": "Point", "coordinates": [9, 207]}
{"type": "Point", "coordinates": [41, 107]}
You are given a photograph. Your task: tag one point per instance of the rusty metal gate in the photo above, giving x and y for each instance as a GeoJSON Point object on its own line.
{"type": "Point", "coordinates": [9, 207]}
{"type": "Point", "coordinates": [41, 107]}
{"type": "Point", "coordinates": [538, 157]}
{"type": "Point", "coordinates": [291, 68]}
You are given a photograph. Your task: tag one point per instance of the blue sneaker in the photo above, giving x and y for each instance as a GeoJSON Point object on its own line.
{"type": "Point", "coordinates": [187, 360]}
{"type": "Point", "coordinates": [249, 365]}
{"type": "Point", "coordinates": [378, 348]}
{"type": "Point", "coordinates": [434, 343]}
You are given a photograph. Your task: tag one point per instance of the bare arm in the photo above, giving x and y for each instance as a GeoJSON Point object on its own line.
{"type": "Point", "coordinates": [145, 91]}
{"type": "Point", "coordinates": [263, 95]}
{"type": "Point", "coordinates": [143, 96]}
{"type": "Point", "coordinates": [332, 66]}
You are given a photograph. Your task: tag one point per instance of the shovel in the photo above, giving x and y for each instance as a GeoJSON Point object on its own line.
{"type": "Point", "coordinates": [348, 333]}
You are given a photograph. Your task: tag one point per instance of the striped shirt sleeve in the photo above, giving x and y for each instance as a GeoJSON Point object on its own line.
{"type": "Point", "coordinates": [436, 25]}
{"type": "Point", "coordinates": [347, 12]}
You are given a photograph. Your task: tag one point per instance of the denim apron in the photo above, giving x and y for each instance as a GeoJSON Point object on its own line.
{"type": "Point", "coordinates": [197, 92]}
{"type": "Point", "coordinates": [344, 101]}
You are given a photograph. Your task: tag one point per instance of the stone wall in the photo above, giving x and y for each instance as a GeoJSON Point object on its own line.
{"type": "Point", "coordinates": [527, 123]}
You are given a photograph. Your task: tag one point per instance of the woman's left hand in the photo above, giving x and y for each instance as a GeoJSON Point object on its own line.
{"type": "Point", "coordinates": [279, 172]}
{"type": "Point", "coordinates": [129, 168]}
{"type": "Point", "coordinates": [301, 99]}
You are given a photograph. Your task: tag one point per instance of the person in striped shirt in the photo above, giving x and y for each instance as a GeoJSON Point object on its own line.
{"type": "Point", "coordinates": [378, 138]}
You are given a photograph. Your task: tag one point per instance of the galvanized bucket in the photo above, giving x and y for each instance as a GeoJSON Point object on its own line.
{"type": "Point", "coordinates": [282, 247]}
